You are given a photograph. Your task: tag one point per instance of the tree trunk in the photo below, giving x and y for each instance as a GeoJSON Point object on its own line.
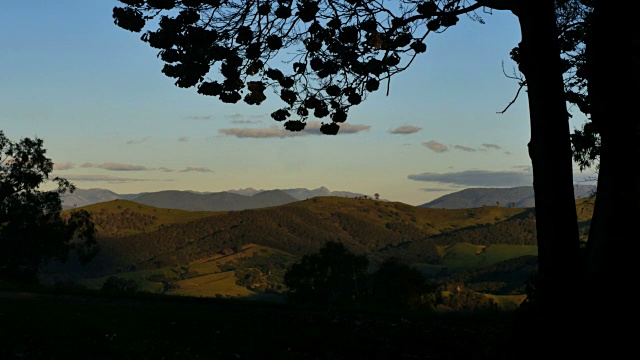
{"type": "Point", "coordinates": [551, 157]}
{"type": "Point", "coordinates": [618, 195]}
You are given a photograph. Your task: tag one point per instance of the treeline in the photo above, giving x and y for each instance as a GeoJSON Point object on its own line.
{"type": "Point", "coordinates": [336, 276]}
{"type": "Point", "coordinates": [507, 277]}
{"type": "Point", "coordinates": [375, 228]}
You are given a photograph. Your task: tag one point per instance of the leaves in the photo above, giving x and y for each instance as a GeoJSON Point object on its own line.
{"type": "Point", "coordinates": [308, 49]}
{"type": "Point", "coordinates": [31, 228]}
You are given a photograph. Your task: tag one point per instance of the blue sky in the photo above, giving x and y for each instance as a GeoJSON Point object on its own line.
{"type": "Point", "coordinates": [110, 119]}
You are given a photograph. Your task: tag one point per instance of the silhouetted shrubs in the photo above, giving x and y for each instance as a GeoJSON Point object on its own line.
{"type": "Point", "coordinates": [117, 285]}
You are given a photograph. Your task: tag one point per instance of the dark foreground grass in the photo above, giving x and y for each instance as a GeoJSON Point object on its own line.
{"type": "Point", "coordinates": [85, 326]}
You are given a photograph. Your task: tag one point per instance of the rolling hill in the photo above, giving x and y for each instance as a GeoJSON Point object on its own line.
{"type": "Point", "coordinates": [139, 239]}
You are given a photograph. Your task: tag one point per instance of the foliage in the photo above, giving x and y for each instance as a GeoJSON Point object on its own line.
{"type": "Point", "coordinates": [320, 57]}
{"type": "Point", "coordinates": [332, 276]}
{"type": "Point", "coordinates": [503, 278]}
{"type": "Point", "coordinates": [153, 327]}
{"type": "Point", "coordinates": [463, 299]}
{"type": "Point", "coordinates": [118, 285]}
{"type": "Point", "coordinates": [32, 231]}
{"type": "Point", "coordinates": [398, 285]}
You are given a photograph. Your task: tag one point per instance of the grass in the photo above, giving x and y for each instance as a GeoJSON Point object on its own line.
{"type": "Point", "coordinates": [49, 326]}
{"type": "Point", "coordinates": [466, 256]}
{"type": "Point", "coordinates": [222, 283]}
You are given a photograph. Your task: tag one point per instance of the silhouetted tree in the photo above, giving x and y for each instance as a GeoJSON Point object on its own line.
{"type": "Point", "coordinates": [338, 52]}
{"type": "Point", "coordinates": [334, 275]}
{"type": "Point", "coordinates": [32, 230]}
{"type": "Point", "coordinates": [399, 285]}
{"type": "Point", "coordinates": [618, 135]}
{"type": "Point", "coordinates": [115, 285]}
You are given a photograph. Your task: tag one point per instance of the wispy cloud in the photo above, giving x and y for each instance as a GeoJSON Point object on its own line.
{"type": "Point", "coordinates": [313, 128]}
{"type": "Point", "coordinates": [164, 169]}
{"type": "Point", "coordinates": [239, 122]}
{"type": "Point", "coordinates": [478, 178]}
{"type": "Point", "coordinates": [464, 148]}
{"type": "Point", "coordinates": [265, 133]}
{"type": "Point", "coordinates": [405, 130]}
{"type": "Point", "coordinates": [434, 189]}
{"type": "Point", "coordinates": [206, 117]}
{"type": "Point", "coordinates": [105, 178]}
{"type": "Point", "coordinates": [236, 116]}
{"type": "Point", "coordinates": [112, 166]}
{"type": "Point", "coordinates": [492, 146]}
{"type": "Point", "coordinates": [196, 169]}
{"type": "Point", "coordinates": [183, 139]}
{"type": "Point", "coordinates": [435, 146]}
{"type": "Point", "coordinates": [64, 166]}
{"type": "Point", "coordinates": [139, 141]}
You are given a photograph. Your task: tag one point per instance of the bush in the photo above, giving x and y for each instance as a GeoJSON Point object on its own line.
{"type": "Point", "coordinates": [116, 285]}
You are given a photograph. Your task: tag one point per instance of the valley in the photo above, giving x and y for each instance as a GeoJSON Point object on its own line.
{"type": "Point", "coordinates": [244, 254]}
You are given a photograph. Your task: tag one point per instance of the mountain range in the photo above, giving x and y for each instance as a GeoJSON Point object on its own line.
{"type": "Point", "coordinates": [515, 197]}
{"type": "Point", "coordinates": [240, 199]}
{"type": "Point", "coordinates": [250, 198]}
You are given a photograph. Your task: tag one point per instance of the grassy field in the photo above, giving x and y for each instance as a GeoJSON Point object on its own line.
{"type": "Point", "coordinates": [49, 326]}
{"type": "Point", "coordinates": [466, 256]}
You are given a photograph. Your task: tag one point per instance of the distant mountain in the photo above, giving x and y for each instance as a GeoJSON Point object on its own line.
{"type": "Point", "coordinates": [518, 197]}
{"type": "Point", "coordinates": [211, 201]}
{"type": "Point", "coordinates": [302, 193]}
{"type": "Point", "coordinates": [84, 197]}
{"type": "Point", "coordinates": [221, 201]}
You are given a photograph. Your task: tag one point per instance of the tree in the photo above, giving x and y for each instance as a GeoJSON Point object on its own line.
{"type": "Point", "coordinates": [618, 132]}
{"type": "Point", "coordinates": [32, 230]}
{"type": "Point", "coordinates": [344, 50]}
{"type": "Point", "coordinates": [399, 285]}
{"type": "Point", "coordinates": [332, 276]}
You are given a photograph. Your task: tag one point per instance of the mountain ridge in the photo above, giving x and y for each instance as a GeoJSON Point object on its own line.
{"type": "Point", "coordinates": [517, 197]}
{"type": "Point", "coordinates": [239, 199]}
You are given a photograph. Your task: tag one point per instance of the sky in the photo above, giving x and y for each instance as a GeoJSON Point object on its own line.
{"type": "Point", "coordinates": [95, 94]}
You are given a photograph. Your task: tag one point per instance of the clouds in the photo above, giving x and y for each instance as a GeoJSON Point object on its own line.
{"type": "Point", "coordinates": [312, 128]}
{"type": "Point", "coordinates": [140, 141]}
{"type": "Point", "coordinates": [482, 178]}
{"type": "Point", "coordinates": [64, 166]}
{"type": "Point", "coordinates": [405, 130]}
{"type": "Point", "coordinates": [206, 117]}
{"type": "Point", "coordinates": [112, 166]}
{"type": "Point", "coordinates": [435, 146]}
{"type": "Point", "coordinates": [115, 166]}
{"type": "Point", "coordinates": [196, 169]}
{"type": "Point", "coordinates": [441, 148]}
{"type": "Point", "coordinates": [251, 133]}
{"type": "Point", "coordinates": [105, 178]}
{"type": "Point", "coordinates": [491, 146]}
{"type": "Point", "coordinates": [464, 148]}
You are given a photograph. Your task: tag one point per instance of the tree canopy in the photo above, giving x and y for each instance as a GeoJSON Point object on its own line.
{"type": "Point", "coordinates": [319, 57]}
{"type": "Point", "coordinates": [334, 275]}
{"type": "Point", "coordinates": [32, 230]}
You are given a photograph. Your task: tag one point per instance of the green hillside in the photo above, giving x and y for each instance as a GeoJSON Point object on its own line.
{"type": "Point", "coordinates": [124, 217]}
{"type": "Point", "coordinates": [366, 226]}
{"type": "Point", "coordinates": [210, 253]}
